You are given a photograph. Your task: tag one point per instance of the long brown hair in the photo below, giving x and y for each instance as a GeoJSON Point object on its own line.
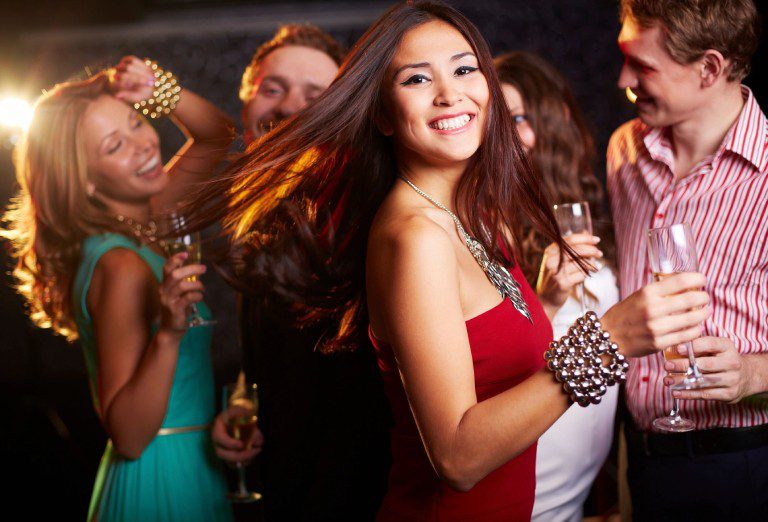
{"type": "Point", "coordinates": [53, 213]}
{"type": "Point", "coordinates": [299, 205]}
{"type": "Point", "coordinates": [563, 153]}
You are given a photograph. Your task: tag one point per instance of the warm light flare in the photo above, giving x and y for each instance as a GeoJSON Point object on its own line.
{"type": "Point", "coordinates": [15, 113]}
{"type": "Point", "coordinates": [631, 96]}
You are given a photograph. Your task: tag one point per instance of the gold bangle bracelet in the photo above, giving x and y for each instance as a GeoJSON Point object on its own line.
{"type": "Point", "coordinates": [164, 97]}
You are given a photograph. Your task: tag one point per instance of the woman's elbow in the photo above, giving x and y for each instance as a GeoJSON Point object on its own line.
{"type": "Point", "coordinates": [128, 446]}
{"type": "Point", "coordinates": [128, 450]}
{"type": "Point", "coordinates": [457, 476]}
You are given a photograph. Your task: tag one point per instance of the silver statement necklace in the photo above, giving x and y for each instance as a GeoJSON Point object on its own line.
{"type": "Point", "coordinates": [497, 274]}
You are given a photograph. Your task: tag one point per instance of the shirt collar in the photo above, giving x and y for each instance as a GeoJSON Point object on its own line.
{"type": "Point", "coordinates": [659, 147]}
{"type": "Point", "coordinates": [747, 137]}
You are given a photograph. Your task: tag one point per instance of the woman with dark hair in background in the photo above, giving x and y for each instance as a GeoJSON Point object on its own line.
{"type": "Point", "coordinates": [91, 267]}
{"type": "Point", "coordinates": [553, 131]}
{"type": "Point", "coordinates": [390, 204]}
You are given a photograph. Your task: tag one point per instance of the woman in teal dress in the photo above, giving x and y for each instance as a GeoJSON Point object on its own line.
{"type": "Point", "coordinates": [92, 268]}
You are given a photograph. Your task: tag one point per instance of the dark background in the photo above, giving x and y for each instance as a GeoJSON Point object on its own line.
{"type": "Point", "coordinates": [50, 439]}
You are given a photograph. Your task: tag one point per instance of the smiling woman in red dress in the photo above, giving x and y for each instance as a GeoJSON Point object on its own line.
{"type": "Point", "coordinates": [389, 204]}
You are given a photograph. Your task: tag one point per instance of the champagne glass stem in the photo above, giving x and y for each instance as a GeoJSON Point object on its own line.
{"type": "Point", "coordinates": [583, 292]}
{"type": "Point", "coordinates": [693, 367]}
{"type": "Point", "coordinates": [241, 487]}
{"type": "Point", "coordinates": [675, 413]}
{"type": "Point", "coordinates": [195, 313]}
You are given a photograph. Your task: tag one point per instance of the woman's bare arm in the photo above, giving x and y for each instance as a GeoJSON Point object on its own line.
{"type": "Point", "coordinates": [135, 370]}
{"type": "Point", "coordinates": [414, 276]}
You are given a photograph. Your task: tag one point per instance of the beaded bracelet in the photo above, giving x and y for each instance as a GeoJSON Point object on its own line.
{"type": "Point", "coordinates": [165, 96]}
{"type": "Point", "coordinates": [576, 360]}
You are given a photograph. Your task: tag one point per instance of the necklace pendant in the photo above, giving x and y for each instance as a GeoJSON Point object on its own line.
{"type": "Point", "coordinates": [496, 273]}
{"type": "Point", "coordinates": [500, 278]}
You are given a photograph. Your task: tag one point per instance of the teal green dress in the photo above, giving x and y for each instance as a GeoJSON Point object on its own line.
{"type": "Point", "coordinates": [177, 477]}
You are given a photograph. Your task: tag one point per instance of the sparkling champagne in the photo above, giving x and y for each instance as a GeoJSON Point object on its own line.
{"type": "Point", "coordinates": [671, 352]}
{"type": "Point", "coordinates": [242, 427]}
{"type": "Point", "coordinates": [193, 249]}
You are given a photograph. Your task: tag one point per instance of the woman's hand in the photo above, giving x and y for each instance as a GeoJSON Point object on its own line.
{"type": "Point", "coordinates": [132, 80]}
{"type": "Point", "coordinates": [177, 292]}
{"type": "Point", "coordinates": [659, 315]}
{"type": "Point", "coordinates": [556, 284]}
{"type": "Point", "coordinates": [228, 448]}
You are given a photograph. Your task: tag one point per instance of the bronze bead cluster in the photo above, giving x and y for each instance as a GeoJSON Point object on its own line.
{"type": "Point", "coordinates": [577, 361]}
{"type": "Point", "coordinates": [164, 97]}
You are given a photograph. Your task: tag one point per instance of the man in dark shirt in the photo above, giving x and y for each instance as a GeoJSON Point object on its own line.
{"type": "Point", "coordinates": [324, 418]}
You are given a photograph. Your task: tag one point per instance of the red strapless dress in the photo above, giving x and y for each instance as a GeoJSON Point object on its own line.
{"type": "Point", "coordinates": [506, 349]}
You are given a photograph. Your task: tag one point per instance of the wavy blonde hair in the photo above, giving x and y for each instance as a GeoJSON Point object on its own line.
{"type": "Point", "coordinates": [52, 213]}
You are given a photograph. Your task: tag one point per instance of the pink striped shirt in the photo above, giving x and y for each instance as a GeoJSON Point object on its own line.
{"type": "Point", "coordinates": [725, 199]}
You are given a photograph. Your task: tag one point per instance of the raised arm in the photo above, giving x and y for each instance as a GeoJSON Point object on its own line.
{"type": "Point", "coordinates": [136, 368]}
{"type": "Point", "coordinates": [413, 276]}
{"type": "Point", "coordinates": [209, 131]}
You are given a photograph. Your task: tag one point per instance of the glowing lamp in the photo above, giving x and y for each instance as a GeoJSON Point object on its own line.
{"type": "Point", "coordinates": [15, 113]}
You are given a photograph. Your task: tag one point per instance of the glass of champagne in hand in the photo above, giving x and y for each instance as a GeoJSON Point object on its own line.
{"type": "Point", "coordinates": [241, 405]}
{"type": "Point", "coordinates": [672, 250]}
{"type": "Point", "coordinates": [574, 218]}
{"type": "Point", "coordinates": [181, 241]}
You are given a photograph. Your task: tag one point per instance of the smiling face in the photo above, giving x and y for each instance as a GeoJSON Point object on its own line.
{"type": "Point", "coordinates": [287, 80]}
{"type": "Point", "coordinates": [667, 92]}
{"type": "Point", "coordinates": [123, 152]}
{"type": "Point", "coordinates": [436, 97]}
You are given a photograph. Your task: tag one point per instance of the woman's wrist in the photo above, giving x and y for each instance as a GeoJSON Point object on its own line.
{"type": "Point", "coordinates": [586, 361]}
{"type": "Point", "coordinates": [550, 308]}
{"type": "Point", "coordinates": [551, 303]}
{"type": "Point", "coordinates": [610, 325]}
{"type": "Point", "coordinates": [169, 337]}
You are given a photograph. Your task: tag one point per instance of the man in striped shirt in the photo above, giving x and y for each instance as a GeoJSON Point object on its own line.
{"type": "Point", "coordinates": [698, 153]}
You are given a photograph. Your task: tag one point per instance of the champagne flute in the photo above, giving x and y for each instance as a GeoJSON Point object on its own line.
{"type": "Point", "coordinates": [574, 218]}
{"type": "Point", "coordinates": [672, 250]}
{"type": "Point", "coordinates": [181, 241]}
{"type": "Point", "coordinates": [241, 404]}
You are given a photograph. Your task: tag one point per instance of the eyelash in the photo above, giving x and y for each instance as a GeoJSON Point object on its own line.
{"type": "Point", "coordinates": [138, 122]}
{"type": "Point", "coordinates": [114, 149]}
{"type": "Point", "coordinates": [467, 69]}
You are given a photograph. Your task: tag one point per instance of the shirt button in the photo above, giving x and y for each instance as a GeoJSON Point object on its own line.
{"type": "Point", "coordinates": [659, 215]}
{"type": "Point", "coordinates": [644, 378]}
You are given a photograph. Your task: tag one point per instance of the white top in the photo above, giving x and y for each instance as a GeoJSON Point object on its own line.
{"type": "Point", "coordinates": [572, 451]}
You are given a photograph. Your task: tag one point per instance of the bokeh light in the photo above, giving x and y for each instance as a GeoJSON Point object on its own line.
{"type": "Point", "coordinates": [15, 113]}
{"type": "Point", "coordinates": [631, 96]}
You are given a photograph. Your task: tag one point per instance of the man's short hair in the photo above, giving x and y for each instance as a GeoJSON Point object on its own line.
{"type": "Point", "coordinates": [305, 35]}
{"type": "Point", "coordinates": [691, 27]}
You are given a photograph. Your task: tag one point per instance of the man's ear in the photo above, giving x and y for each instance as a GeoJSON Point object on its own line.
{"type": "Point", "coordinates": [713, 66]}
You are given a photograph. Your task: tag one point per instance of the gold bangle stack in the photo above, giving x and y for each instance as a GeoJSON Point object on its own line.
{"type": "Point", "coordinates": [165, 96]}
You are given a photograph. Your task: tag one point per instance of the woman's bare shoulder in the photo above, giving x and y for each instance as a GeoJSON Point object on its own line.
{"type": "Point", "coordinates": [404, 229]}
